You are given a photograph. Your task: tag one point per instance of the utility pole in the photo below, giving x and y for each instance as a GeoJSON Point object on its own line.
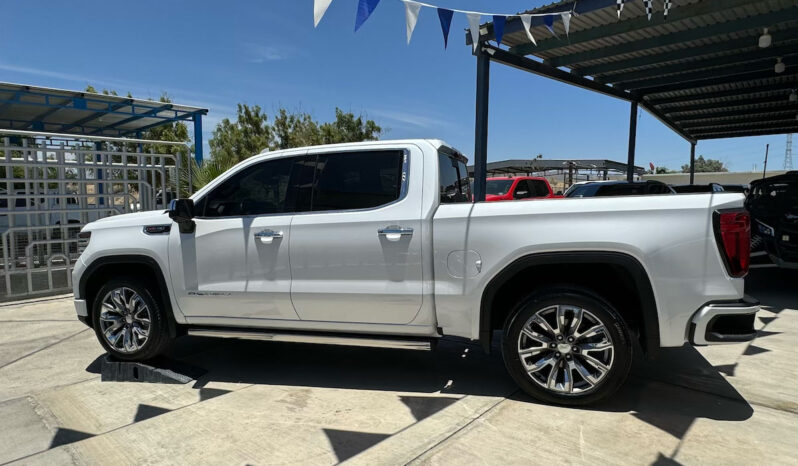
{"type": "Point", "coordinates": [764, 170]}
{"type": "Point", "coordinates": [788, 154]}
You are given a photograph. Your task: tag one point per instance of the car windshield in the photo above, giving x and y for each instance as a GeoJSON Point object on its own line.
{"type": "Point", "coordinates": [498, 187]}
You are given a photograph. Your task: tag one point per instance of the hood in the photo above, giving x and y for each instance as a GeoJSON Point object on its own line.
{"type": "Point", "coordinates": [151, 217]}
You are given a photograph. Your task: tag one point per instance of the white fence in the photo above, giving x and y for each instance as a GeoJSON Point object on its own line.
{"type": "Point", "coordinates": [54, 184]}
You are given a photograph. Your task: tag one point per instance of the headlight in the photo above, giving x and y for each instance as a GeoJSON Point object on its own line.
{"type": "Point", "coordinates": [765, 229]}
{"type": "Point", "coordinates": [83, 241]}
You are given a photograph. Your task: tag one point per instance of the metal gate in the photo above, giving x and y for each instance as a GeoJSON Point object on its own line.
{"type": "Point", "coordinates": [54, 184]}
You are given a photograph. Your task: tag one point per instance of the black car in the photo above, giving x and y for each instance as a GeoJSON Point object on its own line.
{"type": "Point", "coordinates": [618, 188]}
{"type": "Point", "coordinates": [698, 188]}
{"type": "Point", "coordinates": [773, 204]}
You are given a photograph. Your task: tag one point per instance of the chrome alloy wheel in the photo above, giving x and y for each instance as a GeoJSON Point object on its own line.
{"type": "Point", "coordinates": [565, 349]}
{"type": "Point", "coordinates": [125, 320]}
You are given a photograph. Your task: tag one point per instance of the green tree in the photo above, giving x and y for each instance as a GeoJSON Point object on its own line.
{"type": "Point", "coordinates": [251, 132]}
{"type": "Point", "coordinates": [663, 170]}
{"type": "Point", "coordinates": [703, 165]}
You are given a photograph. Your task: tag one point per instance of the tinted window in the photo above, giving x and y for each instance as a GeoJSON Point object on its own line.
{"type": "Point", "coordinates": [256, 190]}
{"type": "Point", "coordinates": [454, 185]}
{"type": "Point", "coordinates": [497, 187]}
{"type": "Point", "coordinates": [357, 180]}
{"type": "Point", "coordinates": [538, 188]}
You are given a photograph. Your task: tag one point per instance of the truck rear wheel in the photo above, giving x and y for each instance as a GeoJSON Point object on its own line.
{"type": "Point", "coordinates": [565, 345]}
{"type": "Point", "coordinates": [129, 322]}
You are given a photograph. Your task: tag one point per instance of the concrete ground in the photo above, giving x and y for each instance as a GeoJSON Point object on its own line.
{"type": "Point", "coordinates": [261, 402]}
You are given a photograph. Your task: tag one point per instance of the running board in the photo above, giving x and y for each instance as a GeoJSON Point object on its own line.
{"type": "Point", "coordinates": [317, 338]}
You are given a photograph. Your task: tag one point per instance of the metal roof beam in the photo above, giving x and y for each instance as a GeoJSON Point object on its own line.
{"type": "Point", "coordinates": [98, 114]}
{"type": "Point", "coordinates": [749, 120]}
{"type": "Point", "coordinates": [728, 80]}
{"type": "Point", "coordinates": [602, 69]}
{"type": "Point", "coordinates": [621, 27]}
{"type": "Point", "coordinates": [738, 134]}
{"type": "Point", "coordinates": [743, 24]}
{"type": "Point", "coordinates": [700, 97]}
{"type": "Point", "coordinates": [536, 67]}
{"type": "Point", "coordinates": [725, 105]}
{"type": "Point", "coordinates": [712, 73]}
{"type": "Point", "coordinates": [148, 114]}
{"type": "Point", "coordinates": [743, 113]}
{"type": "Point", "coordinates": [745, 125]}
{"type": "Point", "coordinates": [717, 64]}
{"type": "Point", "coordinates": [184, 117]}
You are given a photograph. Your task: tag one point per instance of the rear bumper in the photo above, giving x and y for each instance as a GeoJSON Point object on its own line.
{"type": "Point", "coordinates": [719, 323]}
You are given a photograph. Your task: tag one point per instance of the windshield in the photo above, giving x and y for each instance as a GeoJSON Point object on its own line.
{"type": "Point", "coordinates": [498, 187]}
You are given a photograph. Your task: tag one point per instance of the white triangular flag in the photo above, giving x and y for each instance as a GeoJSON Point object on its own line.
{"type": "Point", "coordinates": [411, 17]}
{"type": "Point", "coordinates": [473, 27]}
{"type": "Point", "coordinates": [566, 21]}
{"type": "Point", "coordinates": [527, 22]}
{"type": "Point", "coordinates": [319, 8]}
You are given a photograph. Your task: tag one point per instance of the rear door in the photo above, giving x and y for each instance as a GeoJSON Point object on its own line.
{"type": "Point", "coordinates": [356, 255]}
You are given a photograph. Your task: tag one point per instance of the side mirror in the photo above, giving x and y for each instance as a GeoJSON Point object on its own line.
{"type": "Point", "coordinates": [182, 212]}
{"type": "Point", "coordinates": [521, 194]}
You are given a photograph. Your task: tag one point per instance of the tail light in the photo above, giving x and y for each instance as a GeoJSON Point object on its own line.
{"type": "Point", "coordinates": [733, 234]}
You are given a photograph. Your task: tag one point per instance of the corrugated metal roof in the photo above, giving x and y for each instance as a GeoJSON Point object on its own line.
{"type": "Point", "coordinates": [704, 60]}
{"type": "Point", "coordinates": [63, 111]}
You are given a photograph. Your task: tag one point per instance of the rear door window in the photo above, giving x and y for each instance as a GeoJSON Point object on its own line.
{"type": "Point", "coordinates": [357, 180]}
{"type": "Point", "coordinates": [538, 188]}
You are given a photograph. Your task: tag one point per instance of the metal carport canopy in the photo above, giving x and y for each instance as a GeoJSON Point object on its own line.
{"type": "Point", "coordinates": [33, 108]}
{"type": "Point", "coordinates": [700, 71]}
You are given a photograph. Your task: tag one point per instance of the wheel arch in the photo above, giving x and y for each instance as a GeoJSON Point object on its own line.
{"type": "Point", "coordinates": [622, 263]}
{"type": "Point", "coordinates": [90, 280]}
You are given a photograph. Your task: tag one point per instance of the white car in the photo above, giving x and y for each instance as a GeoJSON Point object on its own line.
{"type": "Point", "coordinates": [379, 244]}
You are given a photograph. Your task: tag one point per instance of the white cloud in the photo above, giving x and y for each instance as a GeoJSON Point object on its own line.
{"type": "Point", "coordinates": [412, 119]}
{"type": "Point", "coordinates": [259, 53]}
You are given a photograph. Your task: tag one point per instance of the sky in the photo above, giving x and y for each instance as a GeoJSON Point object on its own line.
{"type": "Point", "coordinates": [215, 54]}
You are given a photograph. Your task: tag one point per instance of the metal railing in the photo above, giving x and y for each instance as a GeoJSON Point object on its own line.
{"type": "Point", "coordinates": [54, 184]}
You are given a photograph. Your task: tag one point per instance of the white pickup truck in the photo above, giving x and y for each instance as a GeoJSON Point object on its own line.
{"type": "Point", "coordinates": [379, 244]}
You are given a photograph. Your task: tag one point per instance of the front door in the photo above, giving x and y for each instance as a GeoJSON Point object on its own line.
{"type": "Point", "coordinates": [235, 265]}
{"type": "Point", "coordinates": [356, 255]}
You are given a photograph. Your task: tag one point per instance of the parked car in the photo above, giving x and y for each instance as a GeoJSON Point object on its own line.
{"type": "Point", "coordinates": [518, 187]}
{"type": "Point", "coordinates": [736, 188]}
{"type": "Point", "coordinates": [619, 188]}
{"type": "Point", "coordinates": [773, 204]}
{"type": "Point", "coordinates": [698, 188]}
{"type": "Point", "coordinates": [379, 244]}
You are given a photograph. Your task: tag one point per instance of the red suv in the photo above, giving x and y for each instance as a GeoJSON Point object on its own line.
{"type": "Point", "coordinates": [518, 187]}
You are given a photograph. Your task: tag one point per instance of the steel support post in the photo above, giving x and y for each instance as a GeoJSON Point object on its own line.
{"type": "Point", "coordinates": [481, 124]}
{"type": "Point", "coordinates": [692, 162]}
{"type": "Point", "coordinates": [198, 138]}
{"type": "Point", "coordinates": [630, 161]}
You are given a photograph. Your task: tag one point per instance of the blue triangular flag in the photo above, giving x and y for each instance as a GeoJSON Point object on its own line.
{"type": "Point", "coordinates": [548, 21]}
{"type": "Point", "coordinates": [446, 20]}
{"type": "Point", "coordinates": [498, 28]}
{"type": "Point", "coordinates": [364, 10]}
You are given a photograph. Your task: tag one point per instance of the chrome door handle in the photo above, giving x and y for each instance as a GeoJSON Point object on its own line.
{"type": "Point", "coordinates": [394, 232]}
{"type": "Point", "coordinates": [267, 236]}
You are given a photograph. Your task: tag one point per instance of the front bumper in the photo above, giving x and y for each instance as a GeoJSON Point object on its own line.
{"type": "Point", "coordinates": [83, 311]}
{"type": "Point", "coordinates": [718, 323]}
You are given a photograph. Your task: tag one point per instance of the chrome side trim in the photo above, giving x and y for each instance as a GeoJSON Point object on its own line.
{"type": "Point", "coordinates": [322, 339]}
{"type": "Point", "coordinates": [703, 317]}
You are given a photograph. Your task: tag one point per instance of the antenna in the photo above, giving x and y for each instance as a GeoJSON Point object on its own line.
{"type": "Point", "coordinates": [788, 154]}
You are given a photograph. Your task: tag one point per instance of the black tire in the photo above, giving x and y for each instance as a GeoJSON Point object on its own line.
{"type": "Point", "coordinates": [158, 339]}
{"type": "Point", "coordinates": [592, 388]}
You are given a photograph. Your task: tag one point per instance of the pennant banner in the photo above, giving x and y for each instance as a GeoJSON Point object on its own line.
{"type": "Point", "coordinates": [319, 8]}
{"type": "Point", "coordinates": [413, 8]}
{"type": "Point", "coordinates": [446, 21]}
{"type": "Point", "coordinates": [411, 16]}
{"type": "Point", "coordinates": [473, 28]}
{"type": "Point", "coordinates": [526, 20]}
{"type": "Point", "coordinates": [364, 10]}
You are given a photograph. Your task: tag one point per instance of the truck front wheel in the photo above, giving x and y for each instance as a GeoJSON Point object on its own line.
{"type": "Point", "coordinates": [565, 345]}
{"type": "Point", "coordinates": [129, 322]}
